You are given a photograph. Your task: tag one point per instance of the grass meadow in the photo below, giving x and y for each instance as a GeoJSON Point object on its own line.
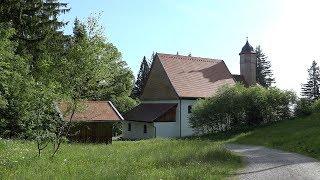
{"type": "Point", "coordinates": [193, 158]}
{"type": "Point", "coordinates": [300, 135]}
{"type": "Point", "coordinates": [147, 159]}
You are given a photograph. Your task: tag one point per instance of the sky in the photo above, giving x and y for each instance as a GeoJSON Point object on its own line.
{"type": "Point", "coordinates": [287, 31]}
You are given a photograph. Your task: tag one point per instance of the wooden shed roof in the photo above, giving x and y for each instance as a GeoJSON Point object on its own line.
{"type": "Point", "coordinates": [90, 111]}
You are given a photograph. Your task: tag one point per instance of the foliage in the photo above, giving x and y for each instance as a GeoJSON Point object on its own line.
{"type": "Point", "coordinates": [148, 159]}
{"type": "Point", "coordinates": [264, 72]}
{"type": "Point", "coordinates": [316, 106]}
{"type": "Point", "coordinates": [300, 135]}
{"type": "Point", "coordinates": [141, 78]}
{"type": "Point", "coordinates": [310, 90]}
{"type": "Point", "coordinates": [14, 86]}
{"type": "Point", "coordinates": [90, 68]}
{"type": "Point", "coordinates": [26, 105]}
{"type": "Point", "coordinates": [38, 32]}
{"type": "Point", "coordinates": [238, 107]}
{"type": "Point", "coordinates": [93, 69]}
{"type": "Point", "coordinates": [303, 107]}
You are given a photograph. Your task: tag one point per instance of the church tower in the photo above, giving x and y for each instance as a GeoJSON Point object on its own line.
{"type": "Point", "coordinates": [248, 64]}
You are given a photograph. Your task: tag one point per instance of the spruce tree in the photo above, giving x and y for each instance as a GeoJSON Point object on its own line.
{"type": "Point", "coordinates": [79, 31]}
{"type": "Point", "coordinates": [310, 90]}
{"type": "Point", "coordinates": [264, 72]}
{"type": "Point", "coordinates": [37, 29]}
{"type": "Point", "coordinates": [142, 78]}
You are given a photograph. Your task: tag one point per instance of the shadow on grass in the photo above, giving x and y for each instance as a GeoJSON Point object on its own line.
{"type": "Point", "coordinates": [220, 136]}
{"type": "Point", "coordinates": [210, 157]}
{"type": "Point", "coordinates": [230, 134]}
{"type": "Point", "coordinates": [214, 158]}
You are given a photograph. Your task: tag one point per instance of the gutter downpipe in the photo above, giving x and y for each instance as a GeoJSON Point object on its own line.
{"type": "Point", "coordinates": [180, 116]}
{"type": "Point", "coordinates": [155, 131]}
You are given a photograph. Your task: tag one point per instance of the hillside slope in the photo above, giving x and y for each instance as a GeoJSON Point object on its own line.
{"type": "Point", "coordinates": [300, 135]}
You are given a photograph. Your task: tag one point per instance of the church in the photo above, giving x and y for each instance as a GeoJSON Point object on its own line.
{"type": "Point", "coordinates": [174, 84]}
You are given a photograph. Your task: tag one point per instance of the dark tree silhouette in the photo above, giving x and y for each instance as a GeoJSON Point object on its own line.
{"type": "Point", "coordinates": [310, 90]}
{"type": "Point", "coordinates": [142, 78]}
{"type": "Point", "coordinates": [264, 72]}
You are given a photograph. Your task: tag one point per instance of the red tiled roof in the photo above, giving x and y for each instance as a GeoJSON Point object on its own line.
{"type": "Point", "coordinates": [149, 112]}
{"type": "Point", "coordinates": [90, 111]}
{"type": "Point", "coordinates": [195, 77]}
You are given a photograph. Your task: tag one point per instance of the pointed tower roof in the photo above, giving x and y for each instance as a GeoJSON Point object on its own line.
{"type": "Point", "coordinates": [247, 49]}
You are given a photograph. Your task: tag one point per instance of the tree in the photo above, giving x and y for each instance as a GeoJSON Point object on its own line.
{"type": "Point", "coordinates": [37, 31]}
{"type": "Point", "coordinates": [141, 78]}
{"type": "Point", "coordinates": [264, 72]}
{"type": "Point", "coordinates": [310, 90]}
{"type": "Point", "coordinates": [14, 86]}
{"type": "Point", "coordinates": [79, 31]}
{"type": "Point", "coordinates": [92, 69]}
{"type": "Point", "coordinates": [26, 105]}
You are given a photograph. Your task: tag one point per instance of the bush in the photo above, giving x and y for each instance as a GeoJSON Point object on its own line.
{"type": "Point", "coordinates": [316, 106]}
{"type": "Point", "coordinates": [238, 107]}
{"type": "Point", "coordinates": [303, 107]}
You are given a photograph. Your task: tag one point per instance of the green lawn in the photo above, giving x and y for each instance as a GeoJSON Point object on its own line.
{"type": "Point", "coordinates": [301, 135]}
{"type": "Point", "coordinates": [148, 159]}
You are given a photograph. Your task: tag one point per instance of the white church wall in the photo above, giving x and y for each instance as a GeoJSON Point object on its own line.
{"type": "Point", "coordinates": [163, 129]}
{"type": "Point", "coordinates": [168, 129]}
{"type": "Point", "coordinates": [137, 130]}
{"type": "Point", "coordinates": [185, 129]}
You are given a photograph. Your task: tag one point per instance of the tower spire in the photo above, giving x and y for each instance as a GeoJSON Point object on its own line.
{"type": "Point", "coordinates": [248, 63]}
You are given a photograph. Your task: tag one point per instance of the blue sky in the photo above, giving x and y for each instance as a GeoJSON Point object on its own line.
{"type": "Point", "coordinates": [208, 28]}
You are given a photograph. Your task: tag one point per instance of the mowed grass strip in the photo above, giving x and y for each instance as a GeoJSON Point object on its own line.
{"type": "Point", "coordinates": [148, 159]}
{"type": "Point", "coordinates": [300, 135]}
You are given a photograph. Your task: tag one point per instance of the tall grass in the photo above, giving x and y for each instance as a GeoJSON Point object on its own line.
{"type": "Point", "coordinates": [148, 159]}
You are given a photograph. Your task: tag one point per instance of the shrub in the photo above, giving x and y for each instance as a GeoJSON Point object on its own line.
{"type": "Point", "coordinates": [303, 107]}
{"type": "Point", "coordinates": [238, 107]}
{"type": "Point", "coordinates": [316, 106]}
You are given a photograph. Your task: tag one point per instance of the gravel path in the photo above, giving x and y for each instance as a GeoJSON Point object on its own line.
{"type": "Point", "coordinates": [264, 163]}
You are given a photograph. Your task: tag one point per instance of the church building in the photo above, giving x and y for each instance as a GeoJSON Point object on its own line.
{"type": "Point", "coordinates": [174, 84]}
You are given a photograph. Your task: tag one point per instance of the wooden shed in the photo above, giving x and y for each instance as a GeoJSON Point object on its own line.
{"type": "Point", "coordinates": [92, 120]}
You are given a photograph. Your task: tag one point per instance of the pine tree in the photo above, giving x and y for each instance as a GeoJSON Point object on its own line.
{"type": "Point", "coordinates": [37, 29]}
{"type": "Point", "coordinates": [310, 90]}
{"type": "Point", "coordinates": [264, 72]}
{"type": "Point", "coordinates": [79, 31]}
{"type": "Point", "coordinates": [142, 78]}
